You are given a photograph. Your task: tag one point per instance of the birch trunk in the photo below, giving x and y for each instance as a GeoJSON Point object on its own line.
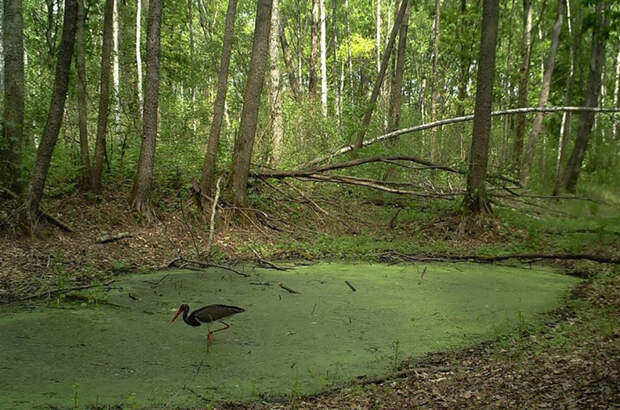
{"type": "Point", "coordinates": [435, 82]}
{"type": "Point", "coordinates": [138, 52]}
{"type": "Point", "coordinates": [275, 96]}
{"type": "Point", "coordinates": [323, 60]}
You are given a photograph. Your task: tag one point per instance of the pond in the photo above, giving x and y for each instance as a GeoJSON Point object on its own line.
{"type": "Point", "coordinates": [121, 350]}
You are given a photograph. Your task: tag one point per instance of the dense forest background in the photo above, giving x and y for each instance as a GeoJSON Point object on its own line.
{"type": "Point", "coordinates": [325, 59]}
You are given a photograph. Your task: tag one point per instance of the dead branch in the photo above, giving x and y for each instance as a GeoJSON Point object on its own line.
{"type": "Point", "coordinates": [300, 192]}
{"type": "Point", "coordinates": [350, 286]}
{"type": "Point", "coordinates": [51, 292]}
{"type": "Point", "coordinates": [114, 238]}
{"type": "Point", "coordinates": [265, 261]}
{"type": "Point", "coordinates": [491, 259]}
{"type": "Point", "coordinates": [455, 120]}
{"type": "Point", "coordinates": [286, 288]}
{"type": "Point", "coordinates": [205, 265]}
{"type": "Point", "coordinates": [355, 181]}
{"type": "Point", "coordinates": [213, 210]}
{"type": "Point", "coordinates": [348, 164]}
{"type": "Point", "coordinates": [563, 197]}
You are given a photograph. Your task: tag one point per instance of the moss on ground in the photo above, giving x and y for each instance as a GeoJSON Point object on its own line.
{"type": "Point", "coordinates": [124, 352]}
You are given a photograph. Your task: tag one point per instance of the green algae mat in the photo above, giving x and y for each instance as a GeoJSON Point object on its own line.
{"type": "Point", "coordinates": [124, 351]}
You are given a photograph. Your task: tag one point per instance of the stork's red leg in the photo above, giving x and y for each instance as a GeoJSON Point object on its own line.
{"type": "Point", "coordinates": [223, 328]}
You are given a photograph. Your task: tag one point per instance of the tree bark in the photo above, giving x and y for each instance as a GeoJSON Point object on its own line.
{"type": "Point", "coordinates": [378, 36]}
{"type": "Point", "coordinates": [565, 126]}
{"type": "Point", "coordinates": [12, 139]}
{"type": "Point", "coordinates": [377, 86]}
{"type": "Point", "coordinates": [349, 57]}
{"type": "Point", "coordinates": [314, 54]}
{"type": "Point", "coordinates": [55, 114]}
{"type": "Point", "coordinates": [323, 60]}
{"type": "Point", "coordinates": [464, 63]}
{"type": "Point", "coordinates": [396, 91]}
{"type": "Point", "coordinates": [208, 173]}
{"type": "Point", "coordinates": [526, 53]}
{"type": "Point", "coordinates": [435, 76]}
{"type": "Point", "coordinates": [292, 78]}
{"type": "Point", "coordinates": [616, 124]}
{"type": "Point", "coordinates": [138, 52]}
{"type": "Point", "coordinates": [116, 77]}
{"type": "Point", "coordinates": [80, 65]}
{"type": "Point", "coordinates": [104, 97]}
{"type": "Point", "coordinates": [567, 181]}
{"type": "Point", "coordinates": [275, 95]}
{"type": "Point", "coordinates": [476, 199]}
{"type": "Point", "coordinates": [544, 94]}
{"type": "Point", "coordinates": [244, 142]}
{"type": "Point", "coordinates": [144, 176]}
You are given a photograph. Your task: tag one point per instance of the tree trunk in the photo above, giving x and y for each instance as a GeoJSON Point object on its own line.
{"type": "Point", "coordinates": [378, 35]}
{"type": "Point", "coordinates": [615, 123]}
{"type": "Point", "coordinates": [104, 97]}
{"type": "Point", "coordinates": [323, 60]}
{"type": "Point", "coordinates": [567, 181]}
{"type": "Point", "coordinates": [244, 143]}
{"type": "Point", "coordinates": [116, 78]}
{"type": "Point", "coordinates": [377, 86]}
{"type": "Point", "coordinates": [476, 201]}
{"type": "Point", "coordinates": [435, 76]}
{"type": "Point", "coordinates": [544, 94]}
{"type": "Point", "coordinates": [144, 176]}
{"type": "Point", "coordinates": [288, 60]}
{"type": "Point", "coordinates": [565, 126]}
{"type": "Point", "coordinates": [526, 53]}
{"type": "Point", "coordinates": [55, 114]}
{"type": "Point", "coordinates": [219, 108]}
{"type": "Point", "coordinates": [80, 64]}
{"type": "Point", "coordinates": [138, 52]}
{"type": "Point", "coordinates": [275, 95]}
{"type": "Point", "coordinates": [464, 63]}
{"type": "Point", "coordinates": [396, 91]}
{"type": "Point", "coordinates": [314, 55]}
{"type": "Point", "coordinates": [349, 57]}
{"type": "Point", "coordinates": [12, 139]}
{"type": "Point", "coordinates": [336, 83]}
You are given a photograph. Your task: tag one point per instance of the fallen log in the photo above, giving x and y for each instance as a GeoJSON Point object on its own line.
{"type": "Point", "coordinates": [114, 238]}
{"type": "Point", "coordinates": [520, 256]}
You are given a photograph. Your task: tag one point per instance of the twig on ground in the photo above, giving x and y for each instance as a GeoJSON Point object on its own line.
{"type": "Point", "coordinates": [350, 286]}
{"type": "Point", "coordinates": [286, 288]}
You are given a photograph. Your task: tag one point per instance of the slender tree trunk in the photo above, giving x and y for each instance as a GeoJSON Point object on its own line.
{"type": "Point", "coordinates": [476, 201]}
{"type": "Point", "coordinates": [55, 114]}
{"type": "Point", "coordinates": [544, 94]}
{"type": "Point", "coordinates": [219, 109]}
{"type": "Point", "coordinates": [567, 181]}
{"type": "Point", "coordinates": [465, 64]}
{"type": "Point", "coordinates": [104, 97]}
{"type": "Point", "coordinates": [190, 16]}
{"type": "Point", "coordinates": [314, 54]}
{"type": "Point", "coordinates": [378, 35]}
{"type": "Point", "coordinates": [526, 54]}
{"type": "Point", "coordinates": [144, 176]}
{"type": "Point", "coordinates": [565, 126]}
{"type": "Point", "coordinates": [244, 143]}
{"type": "Point", "coordinates": [2, 2]}
{"type": "Point", "coordinates": [338, 100]}
{"type": "Point", "coordinates": [616, 124]}
{"type": "Point", "coordinates": [377, 86]}
{"type": "Point", "coordinates": [350, 59]}
{"type": "Point", "coordinates": [435, 76]}
{"type": "Point", "coordinates": [275, 95]}
{"type": "Point", "coordinates": [12, 139]}
{"type": "Point", "coordinates": [80, 64]}
{"type": "Point", "coordinates": [116, 78]}
{"type": "Point", "coordinates": [396, 91]}
{"type": "Point", "coordinates": [323, 59]}
{"type": "Point", "coordinates": [288, 60]}
{"type": "Point", "coordinates": [138, 52]}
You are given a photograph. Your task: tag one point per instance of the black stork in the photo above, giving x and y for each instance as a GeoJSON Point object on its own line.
{"type": "Point", "coordinates": [207, 314]}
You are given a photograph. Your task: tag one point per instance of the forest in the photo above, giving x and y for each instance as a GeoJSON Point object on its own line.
{"type": "Point", "coordinates": [351, 172]}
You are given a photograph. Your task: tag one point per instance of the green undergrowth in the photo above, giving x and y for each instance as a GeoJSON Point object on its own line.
{"type": "Point", "coordinates": [118, 349]}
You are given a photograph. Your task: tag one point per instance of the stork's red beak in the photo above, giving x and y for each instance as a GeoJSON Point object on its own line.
{"type": "Point", "coordinates": [177, 315]}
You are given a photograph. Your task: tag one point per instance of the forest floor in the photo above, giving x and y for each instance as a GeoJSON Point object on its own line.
{"type": "Point", "coordinates": [572, 360]}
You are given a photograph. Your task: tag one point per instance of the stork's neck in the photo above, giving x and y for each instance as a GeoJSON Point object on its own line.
{"type": "Point", "coordinates": [190, 319]}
